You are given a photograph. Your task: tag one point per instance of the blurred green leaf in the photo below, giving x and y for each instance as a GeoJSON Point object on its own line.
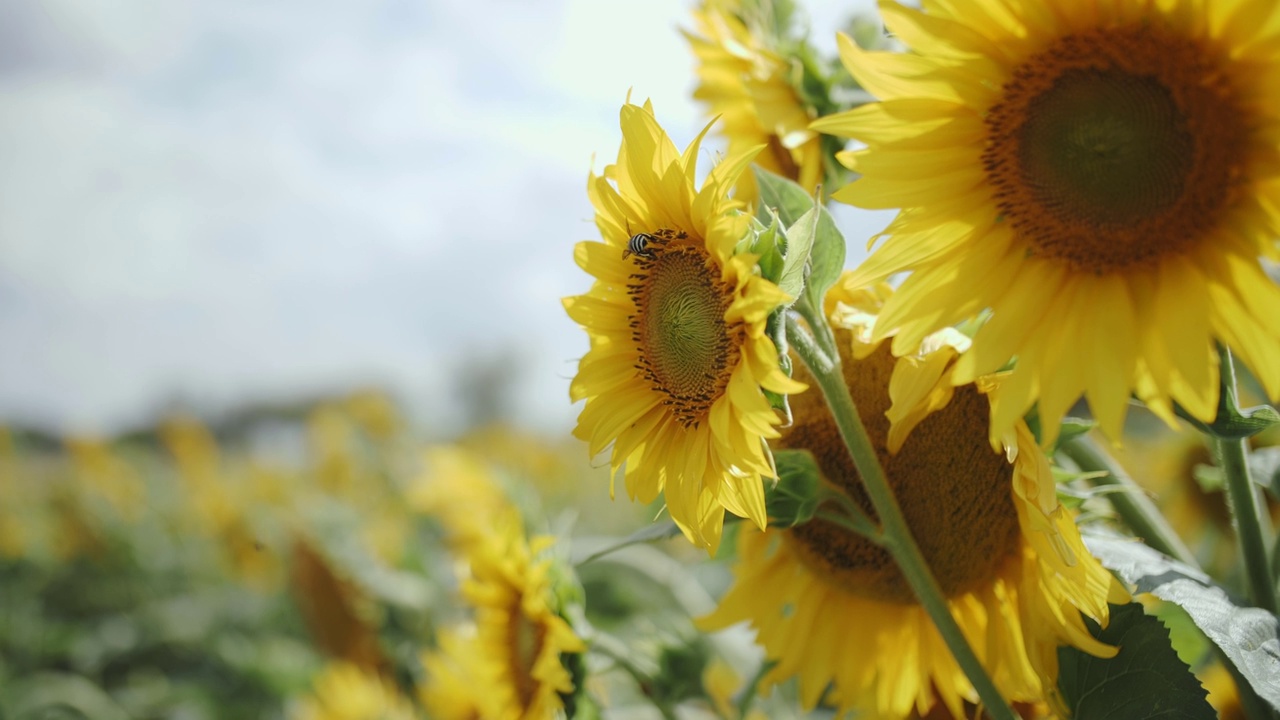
{"type": "Point", "coordinates": [649, 533]}
{"type": "Point", "coordinates": [41, 695]}
{"type": "Point", "coordinates": [1145, 680]}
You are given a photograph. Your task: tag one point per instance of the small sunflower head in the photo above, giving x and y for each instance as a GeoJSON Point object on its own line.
{"type": "Point", "coordinates": [674, 381]}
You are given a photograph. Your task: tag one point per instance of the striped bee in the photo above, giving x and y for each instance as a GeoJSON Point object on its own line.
{"type": "Point", "coordinates": [639, 245]}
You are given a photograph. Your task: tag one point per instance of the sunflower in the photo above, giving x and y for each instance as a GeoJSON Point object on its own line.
{"type": "Point", "coordinates": [1102, 176]}
{"type": "Point", "coordinates": [452, 671]}
{"type": "Point", "coordinates": [459, 489]}
{"type": "Point", "coordinates": [343, 691]}
{"type": "Point", "coordinates": [520, 638]}
{"type": "Point", "coordinates": [744, 81]}
{"type": "Point", "coordinates": [676, 321]}
{"type": "Point", "coordinates": [831, 607]}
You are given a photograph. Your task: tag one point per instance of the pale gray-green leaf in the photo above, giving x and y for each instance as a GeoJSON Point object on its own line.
{"type": "Point", "coordinates": [1249, 636]}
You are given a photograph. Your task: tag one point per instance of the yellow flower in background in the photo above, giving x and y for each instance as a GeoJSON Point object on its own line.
{"type": "Point", "coordinates": [453, 672]}
{"type": "Point", "coordinates": [721, 683]}
{"type": "Point", "coordinates": [343, 691]}
{"type": "Point", "coordinates": [100, 470]}
{"type": "Point", "coordinates": [1224, 696]}
{"type": "Point", "coordinates": [1102, 176]}
{"type": "Point", "coordinates": [744, 82]}
{"type": "Point", "coordinates": [520, 638]}
{"type": "Point", "coordinates": [677, 326]}
{"type": "Point", "coordinates": [831, 607]}
{"type": "Point", "coordinates": [339, 616]}
{"type": "Point", "coordinates": [458, 488]}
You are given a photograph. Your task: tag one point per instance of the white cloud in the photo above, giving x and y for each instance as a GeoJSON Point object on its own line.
{"type": "Point", "coordinates": [220, 200]}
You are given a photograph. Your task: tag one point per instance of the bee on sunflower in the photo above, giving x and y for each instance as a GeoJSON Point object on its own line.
{"type": "Point", "coordinates": [679, 358]}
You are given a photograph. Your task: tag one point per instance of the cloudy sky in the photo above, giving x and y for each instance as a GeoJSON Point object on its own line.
{"type": "Point", "coordinates": [210, 202]}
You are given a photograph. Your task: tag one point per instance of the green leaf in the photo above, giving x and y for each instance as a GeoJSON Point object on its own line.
{"type": "Point", "coordinates": [1073, 427]}
{"type": "Point", "coordinates": [1144, 680]}
{"type": "Point", "coordinates": [43, 695]}
{"type": "Point", "coordinates": [1073, 497]}
{"type": "Point", "coordinates": [795, 262]}
{"type": "Point", "coordinates": [826, 260]}
{"type": "Point", "coordinates": [649, 533]}
{"type": "Point", "coordinates": [793, 500]}
{"type": "Point", "coordinates": [1210, 478]}
{"type": "Point", "coordinates": [1249, 636]}
{"type": "Point", "coordinates": [780, 195]}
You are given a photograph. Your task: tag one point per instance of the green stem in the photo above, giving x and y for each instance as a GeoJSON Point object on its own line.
{"type": "Point", "coordinates": [853, 518]}
{"type": "Point", "coordinates": [821, 331]}
{"type": "Point", "coordinates": [1132, 505]}
{"type": "Point", "coordinates": [896, 534]}
{"type": "Point", "coordinates": [1242, 497]}
{"type": "Point", "coordinates": [749, 692]}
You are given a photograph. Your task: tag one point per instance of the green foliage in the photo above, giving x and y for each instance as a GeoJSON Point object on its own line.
{"type": "Point", "coordinates": [1144, 680]}
{"type": "Point", "coordinates": [794, 499]}
{"type": "Point", "coordinates": [649, 533]}
{"type": "Point", "coordinates": [815, 249]}
{"type": "Point", "coordinates": [1249, 637]}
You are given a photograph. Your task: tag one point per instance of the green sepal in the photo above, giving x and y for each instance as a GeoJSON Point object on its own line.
{"type": "Point", "coordinates": [794, 498]}
{"type": "Point", "coordinates": [1145, 679]}
{"type": "Point", "coordinates": [776, 328]}
{"type": "Point", "coordinates": [768, 243]}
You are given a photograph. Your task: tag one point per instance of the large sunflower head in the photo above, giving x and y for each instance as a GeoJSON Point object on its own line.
{"type": "Point", "coordinates": [831, 607]}
{"type": "Point", "coordinates": [1101, 175]}
{"type": "Point", "coordinates": [676, 320]}
{"type": "Point", "coordinates": [520, 637]}
{"type": "Point", "coordinates": [744, 81]}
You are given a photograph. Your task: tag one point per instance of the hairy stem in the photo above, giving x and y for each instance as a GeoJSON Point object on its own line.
{"type": "Point", "coordinates": [896, 536]}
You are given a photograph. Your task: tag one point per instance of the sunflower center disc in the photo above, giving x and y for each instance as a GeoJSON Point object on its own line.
{"type": "Point", "coordinates": [954, 490]}
{"type": "Point", "coordinates": [686, 348]}
{"type": "Point", "coordinates": [524, 641]}
{"type": "Point", "coordinates": [1114, 147]}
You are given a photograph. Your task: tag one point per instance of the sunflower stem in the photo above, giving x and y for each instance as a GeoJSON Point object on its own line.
{"type": "Point", "coordinates": [1133, 506]}
{"type": "Point", "coordinates": [821, 331]}
{"type": "Point", "coordinates": [896, 535]}
{"type": "Point", "coordinates": [1242, 498]}
{"type": "Point", "coordinates": [753, 688]}
{"type": "Point", "coordinates": [859, 524]}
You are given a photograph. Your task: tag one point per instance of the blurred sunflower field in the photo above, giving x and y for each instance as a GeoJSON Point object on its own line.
{"type": "Point", "coordinates": [1017, 460]}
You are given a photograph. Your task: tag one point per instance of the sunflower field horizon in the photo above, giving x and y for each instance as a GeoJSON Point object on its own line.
{"type": "Point", "coordinates": [1019, 462]}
